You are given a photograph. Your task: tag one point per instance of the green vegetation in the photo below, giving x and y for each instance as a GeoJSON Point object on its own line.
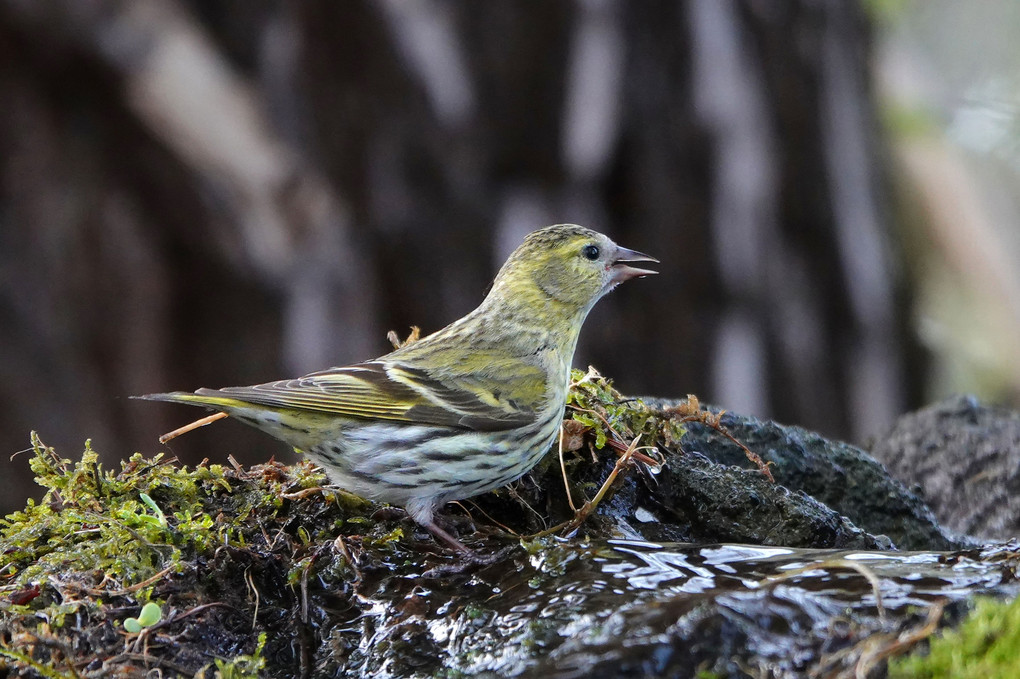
{"type": "Point", "coordinates": [594, 403]}
{"type": "Point", "coordinates": [150, 615]}
{"type": "Point", "coordinates": [128, 560]}
{"type": "Point", "coordinates": [985, 646]}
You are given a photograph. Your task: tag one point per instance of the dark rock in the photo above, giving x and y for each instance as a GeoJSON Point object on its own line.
{"type": "Point", "coordinates": [965, 458]}
{"type": "Point", "coordinates": [836, 475]}
{"type": "Point", "coordinates": [714, 503]}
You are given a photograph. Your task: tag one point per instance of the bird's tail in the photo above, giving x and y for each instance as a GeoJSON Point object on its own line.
{"type": "Point", "coordinates": [208, 399]}
{"type": "Point", "coordinates": [222, 404]}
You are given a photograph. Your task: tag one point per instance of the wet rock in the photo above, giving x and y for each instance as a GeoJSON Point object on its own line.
{"type": "Point", "coordinates": [713, 503]}
{"type": "Point", "coordinates": [838, 475]}
{"type": "Point", "coordinates": [964, 457]}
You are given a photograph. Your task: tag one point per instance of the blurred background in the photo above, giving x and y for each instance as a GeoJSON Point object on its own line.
{"type": "Point", "coordinates": [224, 192]}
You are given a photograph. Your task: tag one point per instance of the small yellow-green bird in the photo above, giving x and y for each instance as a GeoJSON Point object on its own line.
{"type": "Point", "coordinates": [465, 410]}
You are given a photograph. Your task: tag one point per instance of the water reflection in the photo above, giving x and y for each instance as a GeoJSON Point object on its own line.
{"type": "Point", "coordinates": [907, 578]}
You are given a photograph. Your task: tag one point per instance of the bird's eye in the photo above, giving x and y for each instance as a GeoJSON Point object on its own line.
{"type": "Point", "coordinates": [591, 252]}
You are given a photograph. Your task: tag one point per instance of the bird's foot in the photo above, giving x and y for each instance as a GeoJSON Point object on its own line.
{"type": "Point", "coordinates": [469, 561]}
{"type": "Point", "coordinates": [443, 528]}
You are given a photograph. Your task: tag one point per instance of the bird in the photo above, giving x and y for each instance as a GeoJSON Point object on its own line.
{"type": "Point", "coordinates": [464, 410]}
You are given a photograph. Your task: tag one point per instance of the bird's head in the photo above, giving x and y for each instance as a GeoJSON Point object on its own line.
{"type": "Point", "coordinates": [571, 264]}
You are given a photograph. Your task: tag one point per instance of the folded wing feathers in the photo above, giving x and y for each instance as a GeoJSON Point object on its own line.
{"type": "Point", "coordinates": [379, 391]}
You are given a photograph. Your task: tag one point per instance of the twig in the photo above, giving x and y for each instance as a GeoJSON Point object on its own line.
{"type": "Point", "coordinates": [188, 427]}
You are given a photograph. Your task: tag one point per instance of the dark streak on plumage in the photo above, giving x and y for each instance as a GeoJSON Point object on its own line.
{"type": "Point", "coordinates": [373, 478]}
{"type": "Point", "coordinates": [440, 456]}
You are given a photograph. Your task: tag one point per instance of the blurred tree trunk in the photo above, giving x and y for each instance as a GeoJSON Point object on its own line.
{"type": "Point", "coordinates": [218, 192]}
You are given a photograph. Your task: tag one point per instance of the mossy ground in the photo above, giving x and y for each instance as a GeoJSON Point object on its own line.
{"type": "Point", "coordinates": [986, 645]}
{"type": "Point", "coordinates": [207, 545]}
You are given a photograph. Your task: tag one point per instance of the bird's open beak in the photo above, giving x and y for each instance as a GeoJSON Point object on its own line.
{"type": "Point", "coordinates": [622, 272]}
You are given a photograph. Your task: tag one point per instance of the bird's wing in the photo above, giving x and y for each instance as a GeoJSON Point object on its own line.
{"type": "Point", "coordinates": [387, 391]}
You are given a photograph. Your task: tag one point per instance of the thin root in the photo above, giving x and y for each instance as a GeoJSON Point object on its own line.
{"type": "Point", "coordinates": [481, 511]}
{"type": "Point", "coordinates": [690, 411]}
{"type": "Point", "coordinates": [580, 515]}
{"type": "Point", "coordinates": [563, 468]}
{"type": "Point", "coordinates": [864, 571]}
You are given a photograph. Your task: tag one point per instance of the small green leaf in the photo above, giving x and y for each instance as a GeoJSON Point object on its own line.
{"type": "Point", "coordinates": [151, 504]}
{"type": "Point", "coordinates": [150, 615]}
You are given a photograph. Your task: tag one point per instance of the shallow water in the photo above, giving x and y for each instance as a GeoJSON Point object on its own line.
{"type": "Point", "coordinates": [630, 608]}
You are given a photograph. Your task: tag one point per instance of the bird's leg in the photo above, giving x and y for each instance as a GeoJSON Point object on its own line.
{"type": "Point", "coordinates": [423, 511]}
{"type": "Point", "coordinates": [426, 520]}
{"type": "Point", "coordinates": [456, 523]}
{"type": "Point", "coordinates": [446, 537]}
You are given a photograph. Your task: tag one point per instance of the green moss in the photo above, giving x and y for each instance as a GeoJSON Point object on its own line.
{"type": "Point", "coordinates": [100, 545]}
{"type": "Point", "coordinates": [985, 646]}
{"type": "Point", "coordinates": [593, 402]}
{"type": "Point", "coordinates": [128, 525]}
